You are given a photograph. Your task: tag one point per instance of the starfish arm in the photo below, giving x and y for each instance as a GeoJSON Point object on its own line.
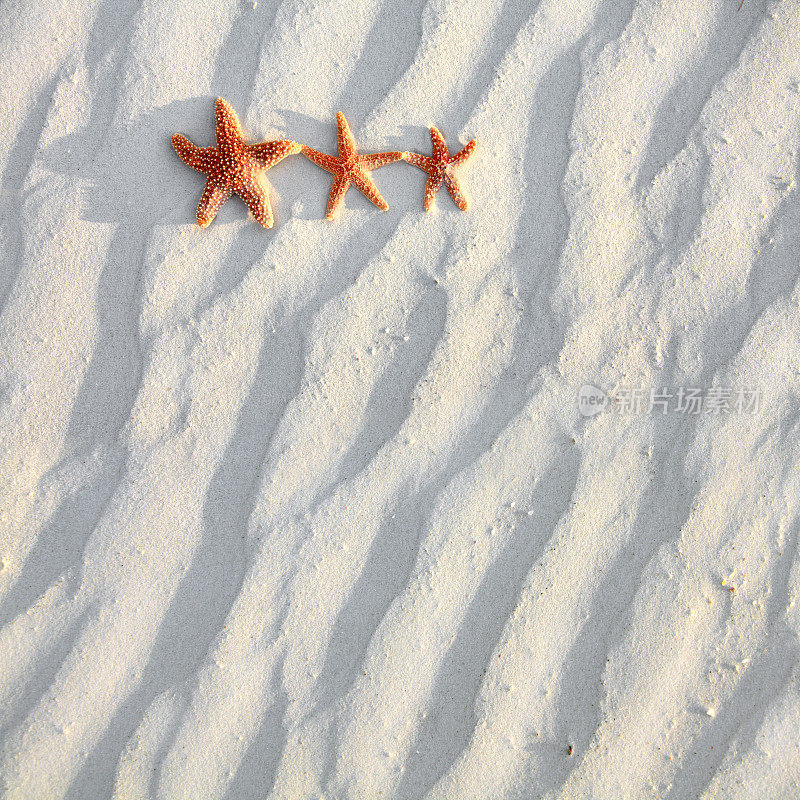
{"type": "Point", "coordinates": [419, 160]}
{"type": "Point", "coordinates": [228, 127]}
{"type": "Point", "coordinates": [431, 187]}
{"type": "Point", "coordinates": [439, 147]}
{"type": "Point", "coordinates": [256, 199]}
{"type": "Point", "coordinates": [463, 155]}
{"type": "Point", "coordinates": [344, 136]}
{"type": "Point", "coordinates": [455, 192]}
{"type": "Point", "coordinates": [330, 163]}
{"type": "Point", "coordinates": [270, 153]}
{"type": "Point", "coordinates": [369, 189]}
{"type": "Point", "coordinates": [213, 197]}
{"type": "Point", "coordinates": [199, 158]}
{"type": "Point", "coordinates": [335, 198]}
{"type": "Point", "coordinates": [375, 160]}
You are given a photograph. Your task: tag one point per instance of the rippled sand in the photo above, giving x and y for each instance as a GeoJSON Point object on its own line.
{"type": "Point", "coordinates": [314, 512]}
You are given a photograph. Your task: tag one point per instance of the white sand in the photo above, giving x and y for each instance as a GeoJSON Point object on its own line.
{"type": "Point", "coordinates": [312, 512]}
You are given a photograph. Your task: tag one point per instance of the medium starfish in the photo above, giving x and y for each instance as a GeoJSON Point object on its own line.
{"type": "Point", "coordinates": [439, 168]}
{"type": "Point", "coordinates": [233, 166]}
{"type": "Point", "coordinates": [350, 167]}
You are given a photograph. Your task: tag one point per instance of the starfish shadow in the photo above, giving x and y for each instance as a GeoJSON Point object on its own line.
{"type": "Point", "coordinates": [135, 179]}
{"type": "Point", "coordinates": [132, 177]}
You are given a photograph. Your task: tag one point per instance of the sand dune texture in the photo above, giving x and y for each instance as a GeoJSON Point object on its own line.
{"type": "Point", "coordinates": [314, 512]}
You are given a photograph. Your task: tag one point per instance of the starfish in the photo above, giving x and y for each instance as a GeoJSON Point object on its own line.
{"type": "Point", "coordinates": [233, 166]}
{"type": "Point", "coordinates": [350, 167]}
{"type": "Point", "coordinates": [439, 168]}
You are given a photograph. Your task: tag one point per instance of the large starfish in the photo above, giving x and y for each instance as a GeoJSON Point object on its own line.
{"type": "Point", "coordinates": [439, 168]}
{"type": "Point", "coordinates": [233, 166]}
{"type": "Point", "coordinates": [350, 167]}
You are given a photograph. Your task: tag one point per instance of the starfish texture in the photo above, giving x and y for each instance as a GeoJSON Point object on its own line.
{"type": "Point", "coordinates": [439, 169]}
{"type": "Point", "coordinates": [350, 167]}
{"type": "Point", "coordinates": [233, 166]}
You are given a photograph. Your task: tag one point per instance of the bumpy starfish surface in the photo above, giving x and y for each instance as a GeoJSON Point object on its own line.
{"type": "Point", "coordinates": [233, 166]}
{"type": "Point", "coordinates": [439, 168]}
{"type": "Point", "coordinates": [350, 167]}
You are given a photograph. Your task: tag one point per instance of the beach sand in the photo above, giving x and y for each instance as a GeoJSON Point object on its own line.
{"type": "Point", "coordinates": [325, 511]}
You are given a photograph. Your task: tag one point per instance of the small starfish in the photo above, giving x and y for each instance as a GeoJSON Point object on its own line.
{"type": "Point", "coordinates": [439, 169]}
{"type": "Point", "coordinates": [350, 167]}
{"type": "Point", "coordinates": [233, 166]}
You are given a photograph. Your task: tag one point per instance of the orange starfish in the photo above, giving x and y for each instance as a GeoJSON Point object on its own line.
{"type": "Point", "coordinates": [439, 169]}
{"type": "Point", "coordinates": [233, 166]}
{"type": "Point", "coordinates": [350, 167]}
